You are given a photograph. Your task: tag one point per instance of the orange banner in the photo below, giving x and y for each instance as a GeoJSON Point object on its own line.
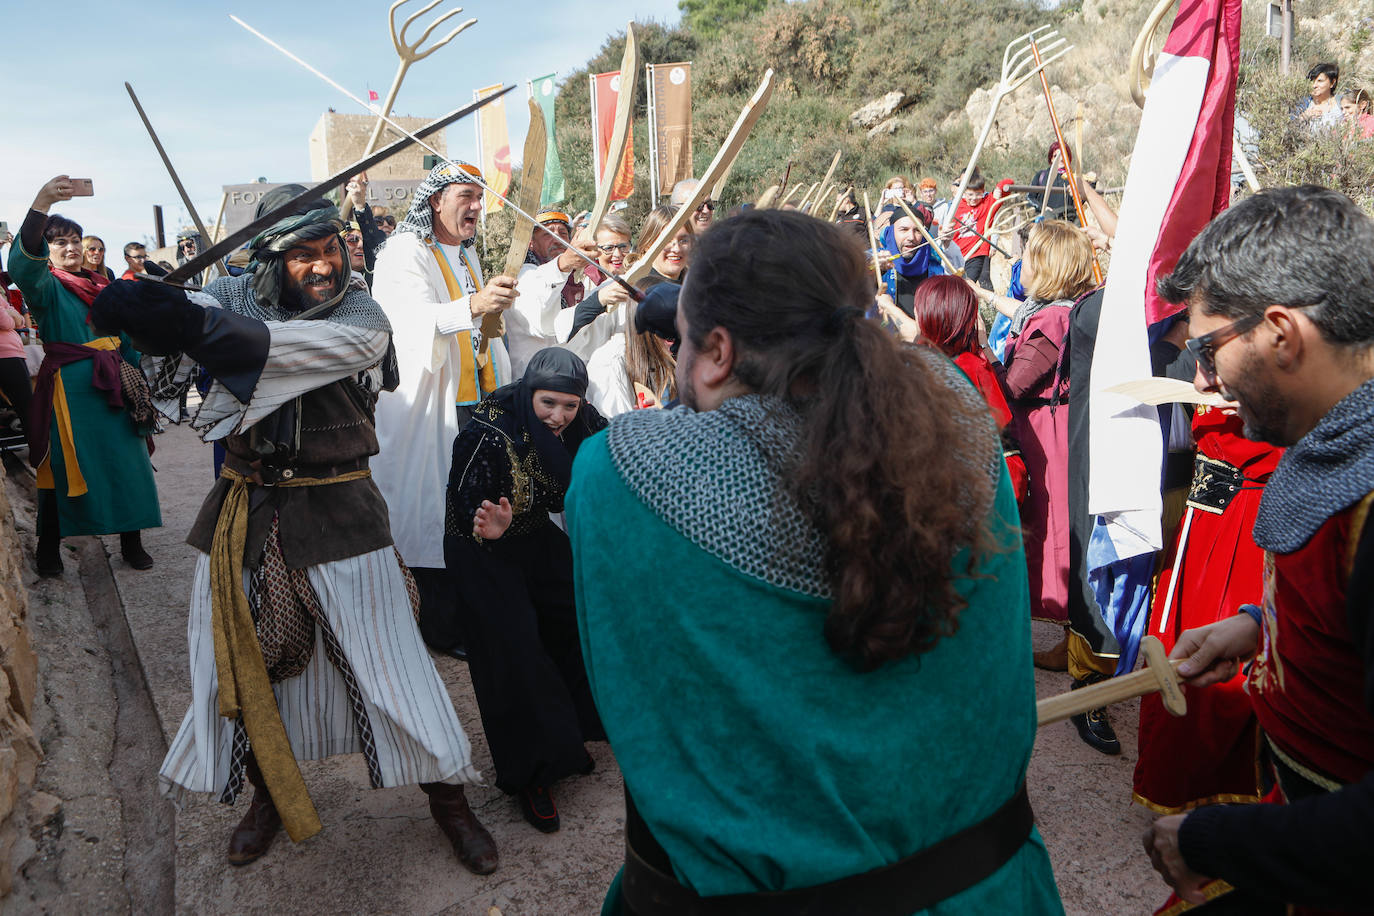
{"type": "Point", "coordinates": [605, 95]}
{"type": "Point", "coordinates": [493, 146]}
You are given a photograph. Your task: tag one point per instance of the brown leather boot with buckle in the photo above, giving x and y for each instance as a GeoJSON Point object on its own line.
{"type": "Point", "coordinates": [471, 843]}
{"type": "Point", "coordinates": [253, 836]}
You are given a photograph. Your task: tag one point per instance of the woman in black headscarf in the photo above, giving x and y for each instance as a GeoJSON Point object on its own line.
{"type": "Point", "coordinates": [513, 566]}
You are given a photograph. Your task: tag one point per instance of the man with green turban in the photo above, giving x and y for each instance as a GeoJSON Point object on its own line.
{"type": "Point", "coordinates": [302, 631]}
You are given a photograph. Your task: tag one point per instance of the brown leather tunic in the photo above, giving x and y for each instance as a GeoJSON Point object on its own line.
{"type": "Point", "coordinates": [317, 524]}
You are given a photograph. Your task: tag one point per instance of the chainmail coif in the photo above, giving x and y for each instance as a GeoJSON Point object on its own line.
{"type": "Point", "coordinates": [1326, 472]}
{"type": "Point", "coordinates": [719, 478]}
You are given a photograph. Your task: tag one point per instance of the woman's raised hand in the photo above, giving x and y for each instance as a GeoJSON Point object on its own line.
{"type": "Point", "coordinates": [491, 519]}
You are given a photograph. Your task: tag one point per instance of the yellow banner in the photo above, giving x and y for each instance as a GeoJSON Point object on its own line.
{"type": "Point", "coordinates": [493, 145]}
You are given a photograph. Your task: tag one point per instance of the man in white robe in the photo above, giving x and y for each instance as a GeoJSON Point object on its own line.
{"type": "Point", "coordinates": [302, 637]}
{"type": "Point", "coordinates": [429, 282]}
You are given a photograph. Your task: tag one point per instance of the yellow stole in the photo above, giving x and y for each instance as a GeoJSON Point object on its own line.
{"type": "Point", "coordinates": [62, 416]}
{"type": "Point", "coordinates": [476, 377]}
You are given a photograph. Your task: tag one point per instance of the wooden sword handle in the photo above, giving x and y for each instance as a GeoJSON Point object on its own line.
{"type": "Point", "coordinates": [1160, 674]}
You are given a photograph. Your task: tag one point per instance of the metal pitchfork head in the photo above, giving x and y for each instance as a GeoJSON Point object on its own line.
{"type": "Point", "coordinates": [1018, 60]}
{"type": "Point", "coordinates": [1018, 65]}
{"type": "Point", "coordinates": [409, 53]}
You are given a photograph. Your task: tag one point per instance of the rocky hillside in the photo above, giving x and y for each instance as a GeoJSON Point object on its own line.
{"type": "Point", "coordinates": [902, 87]}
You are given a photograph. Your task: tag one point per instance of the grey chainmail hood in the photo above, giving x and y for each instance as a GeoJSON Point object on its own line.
{"type": "Point", "coordinates": [356, 308]}
{"type": "Point", "coordinates": [719, 478]}
{"type": "Point", "coordinates": [1326, 472]}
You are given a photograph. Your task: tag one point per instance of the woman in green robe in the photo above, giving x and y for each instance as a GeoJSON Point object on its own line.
{"type": "Point", "coordinates": [803, 606]}
{"type": "Point", "coordinates": [94, 473]}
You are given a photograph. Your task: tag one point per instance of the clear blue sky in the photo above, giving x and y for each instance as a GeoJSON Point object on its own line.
{"type": "Point", "coordinates": [228, 108]}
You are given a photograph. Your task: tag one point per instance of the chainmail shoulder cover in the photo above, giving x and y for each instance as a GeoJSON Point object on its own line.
{"type": "Point", "coordinates": [357, 308]}
{"type": "Point", "coordinates": [1321, 475]}
{"type": "Point", "coordinates": [718, 478]}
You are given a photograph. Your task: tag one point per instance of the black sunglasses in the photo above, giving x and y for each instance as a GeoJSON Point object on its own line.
{"type": "Point", "coordinates": [1204, 349]}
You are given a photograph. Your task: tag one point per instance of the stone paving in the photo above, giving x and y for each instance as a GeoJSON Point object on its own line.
{"type": "Point", "coordinates": [380, 853]}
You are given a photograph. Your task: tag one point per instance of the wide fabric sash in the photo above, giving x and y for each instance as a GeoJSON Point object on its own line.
{"type": "Point", "coordinates": [477, 374]}
{"type": "Point", "coordinates": [50, 404]}
{"type": "Point", "coordinates": [245, 689]}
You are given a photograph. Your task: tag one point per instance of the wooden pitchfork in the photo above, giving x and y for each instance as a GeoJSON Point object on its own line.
{"type": "Point", "coordinates": [1018, 65]}
{"type": "Point", "coordinates": [410, 53]}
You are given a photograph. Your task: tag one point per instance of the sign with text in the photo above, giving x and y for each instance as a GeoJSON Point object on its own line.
{"type": "Point", "coordinates": [241, 200]}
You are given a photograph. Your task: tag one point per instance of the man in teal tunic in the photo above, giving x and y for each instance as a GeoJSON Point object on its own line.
{"type": "Point", "coordinates": [94, 474]}
{"type": "Point", "coordinates": [803, 608]}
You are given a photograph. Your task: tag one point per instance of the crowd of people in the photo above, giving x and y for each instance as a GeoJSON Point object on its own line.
{"type": "Point", "coordinates": [739, 518]}
{"type": "Point", "coordinates": [1327, 110]}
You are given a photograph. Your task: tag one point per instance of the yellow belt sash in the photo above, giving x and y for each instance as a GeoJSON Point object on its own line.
{"type": "Point", "coordinates": [62, 416]}
{"type": "Point", "coordinates": [476, 376]}
{"type": "Point", "coordinates": [244, 687]}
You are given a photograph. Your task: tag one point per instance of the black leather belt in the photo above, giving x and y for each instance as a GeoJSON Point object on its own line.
{"type": "Point", "coordinates": [910, 885]}
{"type": "Point", "coordinates": [271, 475]}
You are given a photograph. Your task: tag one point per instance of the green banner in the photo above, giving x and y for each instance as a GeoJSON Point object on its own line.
{"type": "Point", "coordinates": [554, 190]}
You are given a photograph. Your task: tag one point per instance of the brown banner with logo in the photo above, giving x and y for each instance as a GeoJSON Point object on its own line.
{"type": "Point", "coordinates": [671, 85]}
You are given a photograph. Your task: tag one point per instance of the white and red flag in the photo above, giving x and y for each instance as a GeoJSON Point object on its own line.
{"type": "Point", "coordinates": [1179, 179]}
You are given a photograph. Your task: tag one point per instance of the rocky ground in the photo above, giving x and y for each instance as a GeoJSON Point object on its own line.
{"type": "Point", "coordinates": [113, 685]}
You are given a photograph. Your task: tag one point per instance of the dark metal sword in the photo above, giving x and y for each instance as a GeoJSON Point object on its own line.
{"type": "Point", "coordinates": [185, 198]}
{"type": "Point", "coordinates": [235, 239]}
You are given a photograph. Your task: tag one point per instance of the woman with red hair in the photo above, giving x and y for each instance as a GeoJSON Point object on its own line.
{"type": "Point", "coordinates": [946, 311]}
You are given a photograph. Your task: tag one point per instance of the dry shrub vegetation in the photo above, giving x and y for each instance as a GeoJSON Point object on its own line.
{"type": "Point", "coordinates": [831, 56]}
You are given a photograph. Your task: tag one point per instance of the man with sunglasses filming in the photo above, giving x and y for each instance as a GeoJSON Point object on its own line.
{"type": "Point", "coordinates": [1288, 334]}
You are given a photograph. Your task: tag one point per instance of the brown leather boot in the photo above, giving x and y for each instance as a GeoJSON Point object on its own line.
{"type": "Point", "coordinates": [253, 836]}
{"type": "Point", "coordinates": [473, 845]}
{"type": "Point", "coordinates": [1054, 659]}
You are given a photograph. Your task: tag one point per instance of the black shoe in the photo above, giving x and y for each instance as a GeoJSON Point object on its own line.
{"type": "Point", "coordinates": [48, 558]}
{"type": "Point", "coordinates": [131, 549]}
{"type": "Point", "coordinates": [1093, 726]}
{"type": "Point", "coordinates": [536, 804]}
{"type": "Point", "coordinates": [459, 652]}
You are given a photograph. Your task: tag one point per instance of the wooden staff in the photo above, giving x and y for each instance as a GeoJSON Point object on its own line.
{"type": "Point", "coordinates": [766, 198]}
{"type": "Point", "coordinates": [872, 241]}
{"type": "Point", "coordinates": [719, 167]}
{"type": "Point", "coordinates": [806, 198]}
{"type": "Point", "coordinates": [836, 209]}
{"type": "Point", "coordinates": [604, 326]}
{"type": "Point", "coordinates": [1068, 160]}
{"type": "Point", "coordinates": [829, 174]}
{"type": "Point", "coordinates": [219, 217]}
{"type": "Point", "coordinates": [624, 116]}
{"type": "Point", "coordinates": [820, 196]}
{"type": "Point", "coordinates": [788, 196]}
{"type": "Point", "coordinates": [1159, 674]}
{"type": "Point", "coordinates": [939, 253]}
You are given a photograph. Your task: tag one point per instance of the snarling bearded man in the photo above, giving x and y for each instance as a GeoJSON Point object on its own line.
{"type": "Point", "coordinates": [302, 632]}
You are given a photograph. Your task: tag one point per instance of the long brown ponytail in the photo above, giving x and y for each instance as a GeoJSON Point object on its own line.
{"type": "Point", "coordinates": [882, 471]}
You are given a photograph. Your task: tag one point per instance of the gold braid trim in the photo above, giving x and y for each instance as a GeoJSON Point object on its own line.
{"type": "Point", "coordinates": [1211, 891]}
{"type": "Point", "coordinates": [244, 688]}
